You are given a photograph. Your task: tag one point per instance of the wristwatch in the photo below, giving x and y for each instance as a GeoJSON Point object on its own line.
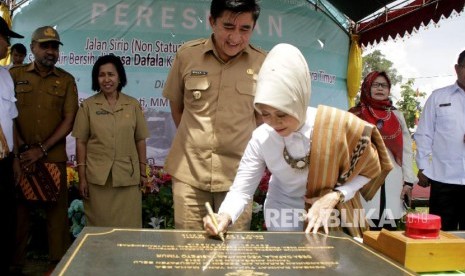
{"type": "Point", "coordinates": [341, 196]}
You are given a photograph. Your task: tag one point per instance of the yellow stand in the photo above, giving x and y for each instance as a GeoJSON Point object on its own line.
{"type": "Point", "coordinates": [420, 255]}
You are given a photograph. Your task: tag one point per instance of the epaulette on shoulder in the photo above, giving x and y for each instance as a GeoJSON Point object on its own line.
{"type": "Point", "coordinates": [17, 67]}
{"type": "Point", "coordinates": [192, 43]}
{"type": "Point", "coordinates": [258, 49]}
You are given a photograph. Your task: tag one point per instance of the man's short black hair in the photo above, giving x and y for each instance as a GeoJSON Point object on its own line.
{"type": "Point", "coordinates": [217, 7]}
{"type": "Point", "coordinates": [461, 59]}
{"type": "Point", "coordinates": [19, 48]}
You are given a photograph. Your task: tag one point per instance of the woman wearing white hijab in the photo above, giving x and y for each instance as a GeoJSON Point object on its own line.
{"type": "Point", "coordinates": [283, 145]}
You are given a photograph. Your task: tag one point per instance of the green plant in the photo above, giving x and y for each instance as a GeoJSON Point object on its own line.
{"type": "Point", "coordinates": [157, 202]}
{"type": "Point", "coordinates": [76, 216]}
{"type": "Point", "coordinates": [72, 177]}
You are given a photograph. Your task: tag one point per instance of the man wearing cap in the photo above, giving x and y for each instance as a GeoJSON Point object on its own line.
{"type": "Point", "coordinates": [47, 104]}
{"type": "Point", "coordinates": [8, 112]}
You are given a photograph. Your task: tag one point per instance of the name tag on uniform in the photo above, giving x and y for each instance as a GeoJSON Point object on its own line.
{"type": "Point", "coordinates": [445, 104]}
{"type": "Point", "coordinates": [102, 112]}
{"type": "Point", "coordinates": [198, 73]}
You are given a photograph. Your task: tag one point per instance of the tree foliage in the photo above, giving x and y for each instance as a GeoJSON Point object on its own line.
{"type": "Point", "coordinates": [409, 103]}
{"type": "Point", "coordinates": [377, 62]}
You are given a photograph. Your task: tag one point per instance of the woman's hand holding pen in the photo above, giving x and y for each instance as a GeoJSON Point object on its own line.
{"type": "Point", "coordinates": [223, 221]}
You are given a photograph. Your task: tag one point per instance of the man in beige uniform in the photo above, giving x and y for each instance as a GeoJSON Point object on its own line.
{"type": "Point", "coordinates": [211, 88]}
{"type": "Point", "coordinates": [47, 104]}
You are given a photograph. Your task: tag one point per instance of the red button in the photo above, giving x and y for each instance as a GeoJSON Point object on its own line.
{"type": "Point", "coordinates": [422, 226]}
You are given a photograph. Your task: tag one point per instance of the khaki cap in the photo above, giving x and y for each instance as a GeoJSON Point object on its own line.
{"type": "Point", "coordinates": [45, 34]}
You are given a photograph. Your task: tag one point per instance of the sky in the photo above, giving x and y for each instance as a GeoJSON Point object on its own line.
{"type": "Point", "coordinates": [428, 55]}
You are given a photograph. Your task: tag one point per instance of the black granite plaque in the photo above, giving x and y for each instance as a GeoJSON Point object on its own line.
{"type": "Point", "coordinates": [106, 251]}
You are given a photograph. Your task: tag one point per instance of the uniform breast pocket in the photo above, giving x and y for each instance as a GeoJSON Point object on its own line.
{"type": "Point", "coordinates": [126, 120]}
{"type": "Point", "coordinates": [245, 93]}
{"type": "Point", "coordinates": [24, 95]}
{"type": "Point", "coordinates": [445, 118]}
{"type": "Point", "coordinates": [246, 87]}
{"type": "Point", "coordinates": [196, 90]}
{"type": "Point", "coordinates": [55, 98]}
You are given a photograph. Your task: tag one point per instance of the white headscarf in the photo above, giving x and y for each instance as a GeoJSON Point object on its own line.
{"type": "Point", "coordinates": [284, 82]}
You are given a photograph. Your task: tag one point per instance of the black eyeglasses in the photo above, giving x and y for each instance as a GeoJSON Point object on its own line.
{"type": "Point", "coordinates": [377, 85]}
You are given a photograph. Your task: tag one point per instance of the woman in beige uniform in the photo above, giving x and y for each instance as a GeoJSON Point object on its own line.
{"type": "Point", "coordinates": [110, 132]}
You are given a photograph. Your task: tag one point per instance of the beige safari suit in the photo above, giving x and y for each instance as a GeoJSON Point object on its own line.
{"type": "Point", "coordinates": [112, 160]}
{"type": "Point", "coordinates": [42, 102]}
{"type": "Point", "coordinates": [216, 124]}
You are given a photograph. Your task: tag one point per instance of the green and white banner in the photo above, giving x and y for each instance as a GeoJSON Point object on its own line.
{"type": "Point", "coordinates": [147, 33]}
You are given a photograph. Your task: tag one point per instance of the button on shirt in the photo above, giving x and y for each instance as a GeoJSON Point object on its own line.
{"type": "Point", "coordinates": [8, 109]}
{"type": "Point", "coordinates": [440, 136]}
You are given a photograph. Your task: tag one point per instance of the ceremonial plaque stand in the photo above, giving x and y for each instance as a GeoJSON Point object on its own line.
{"type": "Point", "coordinates": [107, 251]}
{"type": "Point", "coordinates": [446, 253]}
